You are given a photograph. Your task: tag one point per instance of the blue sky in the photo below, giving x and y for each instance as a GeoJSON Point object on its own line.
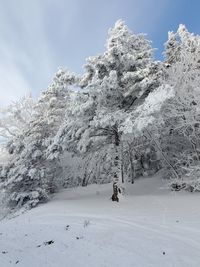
{"type": "Point", "coordinates": [38, 36]}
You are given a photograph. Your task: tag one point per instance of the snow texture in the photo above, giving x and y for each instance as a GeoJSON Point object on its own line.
{"type": "Point", "coordinates": [81, 227]}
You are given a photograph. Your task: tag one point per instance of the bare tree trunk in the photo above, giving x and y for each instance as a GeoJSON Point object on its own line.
{"type": "Point", "coordinates": [115, 192]}
{"type": "Point", "coordinates": [122, 163]}
{"type": "Point", "coordinates": [86, 174]}
{"type": "Point", "coordinates": [84, 179]}
{"type": "Point", "coordinates": [131, 163]}
{"type": "Point", "coordinates": [117, 165]}
{"type": "Point", "coordinates": [122, 171]}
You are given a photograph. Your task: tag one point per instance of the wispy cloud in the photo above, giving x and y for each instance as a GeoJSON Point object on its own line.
{"type": "Point", "coordinates": [12, 84]}
{"type": "Point", "coordinates": [26, 57]}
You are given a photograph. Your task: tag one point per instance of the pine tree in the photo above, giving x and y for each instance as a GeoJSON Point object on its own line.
{"type": "Point", "coordinates": [31, 176]}
{"type": "Point", "coordinates": [180, 134]}
{"type": "Point", "coordinates": [117, 81]}
{"type": "Point", "coordinates": [172, 49]}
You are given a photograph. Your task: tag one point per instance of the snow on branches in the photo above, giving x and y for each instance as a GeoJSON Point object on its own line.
{"type": "Point", "coordinates": [127, 115]}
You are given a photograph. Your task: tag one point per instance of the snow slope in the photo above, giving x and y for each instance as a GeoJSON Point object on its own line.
{"type": "Point", "coordinates": [150, 226]}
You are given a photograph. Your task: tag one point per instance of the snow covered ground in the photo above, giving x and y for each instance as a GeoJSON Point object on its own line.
{"type": "Point", "coordinates": [150, 226]}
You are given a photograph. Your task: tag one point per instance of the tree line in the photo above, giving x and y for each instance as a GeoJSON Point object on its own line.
{"type": "Point", "coordinates": [127, 116]}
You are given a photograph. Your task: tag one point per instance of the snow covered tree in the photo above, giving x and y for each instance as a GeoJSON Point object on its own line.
{"type": "Point", "coordinates": [126, 68]}
{"type": "Point", "coordinates": [181, 131]}
{"type": "Point", "coordinates": [16, 117]}
{"type": "Point", "coordinates": [172, 49]}
{"type": "Point", "coordinates": [114, 83]}
{"type": "Point", "coordinates": [31, 176]}
{"type": "Point", "coordinates": [72, 137]}
{"type": "Point", "coordinates": [117, 81]}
